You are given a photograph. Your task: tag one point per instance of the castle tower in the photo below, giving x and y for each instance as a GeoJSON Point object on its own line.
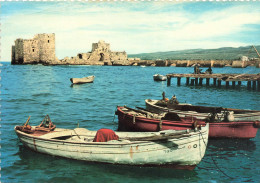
{"type": "Point", "coordinates": [40, 49]}
{"type": "Point", "coordinates": [100, 51]}
{"type": "Point", "coordinates": [101, 46]}
{"type": "Point", "coordinates": [46, 46]}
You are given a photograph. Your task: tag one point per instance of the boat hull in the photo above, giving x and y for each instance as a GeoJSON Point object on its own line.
{"type": "Point", "coordinates": [128, 122]}
{"type": "Point", "coordinates": [181, 153]}
{"type": "Point", "coordinates": [89, 79]}
{"type": "Point", "coordinates": [158, 77]}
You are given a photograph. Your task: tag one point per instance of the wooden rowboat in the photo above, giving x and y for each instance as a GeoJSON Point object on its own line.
{"type": "Point", "coordinates": [141, 120]}
{"type": "Point", "coordinates": [202, 112]}
{"type": "Point", "coordinates": [89, 79]}
{"type": "Point", "coordinates": [172, 149]}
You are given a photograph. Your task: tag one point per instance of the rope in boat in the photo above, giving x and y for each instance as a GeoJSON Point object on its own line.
{"type": "Point", "coordinates": [214, 160]}
{"type": "Point", "coordinates": [114, 117]}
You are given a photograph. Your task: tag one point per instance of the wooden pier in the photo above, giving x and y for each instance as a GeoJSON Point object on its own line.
{"type": "Point", "coordinates": [253, 80]}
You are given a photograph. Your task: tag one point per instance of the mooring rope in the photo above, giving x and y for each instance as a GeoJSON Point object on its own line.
{"type": "Point", "coordinates": [114, 116]}
{"type": "Point", "coordinates": [215, 161]}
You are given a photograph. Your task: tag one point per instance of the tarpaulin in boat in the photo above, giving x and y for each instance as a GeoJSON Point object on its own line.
{"type": "Point", "coordinates": [104, 135]}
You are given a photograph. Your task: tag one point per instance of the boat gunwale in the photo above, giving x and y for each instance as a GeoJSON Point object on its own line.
{"type": "Point", "coordinates": [18, 132]}
{"type": "Point", "coordinates": [248, 113]}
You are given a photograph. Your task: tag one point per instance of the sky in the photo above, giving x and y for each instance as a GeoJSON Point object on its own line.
{"type": "Point", "coordinates": [134, 27]}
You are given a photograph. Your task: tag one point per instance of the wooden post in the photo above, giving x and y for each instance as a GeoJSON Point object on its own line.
{"type": "Point", "coordinates": [179, 81]}
{"type": "Point", "coordinates": [254, 85]}
{"type": "Point", "coordinates": [239, 83]}
{"type": "Point", "coordinates": [233, 84]}
{"type": "Point", "coordinates": [227, 84]}
{"type": "Point", "coordinates": [200, 82]}
{"type": "Point", "coordinates": [219, 83]}
{"type": "Point", "coordinates": [168, 80]}
{"type": "Point", "coordinates": [207, 81]}
{"type": "Point", "coordinates": [196, 81]}
{"type": "Point", "coordinates": [258, 85]}
{"type": "Point", "coordinates": [187, 80]}
{"type": "Point", "coordinates": [214, 81]}
{"type": "Point", "coordinates": [248, 84]}
{"type": "Point", "coordinates": [192, 82]}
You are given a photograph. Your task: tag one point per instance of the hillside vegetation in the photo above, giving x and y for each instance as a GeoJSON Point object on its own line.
{"type": "Point", "coordinates": [225, 53]}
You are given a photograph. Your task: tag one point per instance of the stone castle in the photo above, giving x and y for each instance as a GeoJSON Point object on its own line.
{"type": "Point", "coordinates": [41, 50]}
{"type": "Point", "coordinates": [99, 55]}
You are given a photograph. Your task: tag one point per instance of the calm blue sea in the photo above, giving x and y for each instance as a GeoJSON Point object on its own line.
{"type": "Point", "coordinates": [36, 90]}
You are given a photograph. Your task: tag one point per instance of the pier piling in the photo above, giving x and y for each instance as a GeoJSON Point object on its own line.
{"type": "Point", "coordinates": [179, 81]}
{"type": "Point", "coordinates": [214, 81]}
{"type": "Point", "coordinates": [196, 81]}
{"type": "Point", "coordinates": [227, 84]}
{"type": "Point", "coordinates": [200, 81]}
{"type": "Point", "coordinates": [233, 84]}
{"type": "Point", "coordinates": [168, 81]}
{"type": "Point", "coordinates": [254, 85]}
{"type": "Point", "coordinates": [207, 81]}
{"type": "Point", "coordinates": [248, 84]}
{"type": "Point", "coordinates": [192, 82]}
{"type": "Point", "coordinates": [219, 83]}
{"type": "Point", "coordinates": [187, 80]}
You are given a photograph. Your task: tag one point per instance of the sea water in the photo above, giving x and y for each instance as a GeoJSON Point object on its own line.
{"type": "Point", "coordinates": [36, 90]}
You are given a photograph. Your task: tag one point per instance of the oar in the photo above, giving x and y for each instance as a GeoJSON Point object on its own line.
{"type": "Point", "coordinates": [142, 109]}
{"type": "Point", "coordinates": [159, 137]}
{"type": "Point", "coordinates": [26, 122]}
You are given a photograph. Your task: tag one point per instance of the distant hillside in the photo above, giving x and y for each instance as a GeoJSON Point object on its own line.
{"type": "Point", "coordinates": [225, 53]}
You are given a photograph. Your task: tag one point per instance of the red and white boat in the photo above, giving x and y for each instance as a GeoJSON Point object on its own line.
{"type": "Point", "coordinates": [142, 120]}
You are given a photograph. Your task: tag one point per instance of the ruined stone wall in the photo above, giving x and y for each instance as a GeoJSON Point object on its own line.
{"type": "Point", "coordinates": [18, 51]}
{"type": "Point", "coordinates": [31, 51]}
{"type": "Point", "coordinates": [46, 45]}
{"type": "Point", "coordinates": [13, 55]}
{"type": "Point", "coordinates": [118, 56]}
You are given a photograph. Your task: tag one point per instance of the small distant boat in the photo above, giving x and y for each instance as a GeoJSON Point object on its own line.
{"type": "Point", "coordinates": [89, 79]}
{"type": "Point", "coordinates": [142, 66]}
{"type": "Point", "coordinates": [159, 77]}
{"type": "Point", "coordinates": [172, 149]}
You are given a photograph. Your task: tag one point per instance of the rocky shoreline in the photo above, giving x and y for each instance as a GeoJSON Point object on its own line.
{"type": "Point", "coordinates": [162, 63]}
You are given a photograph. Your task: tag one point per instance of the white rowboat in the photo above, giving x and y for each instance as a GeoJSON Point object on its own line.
{"type": "Point", "coordinates": [89, 79]}
{"type": "Point", "coordinates": [173, 149]}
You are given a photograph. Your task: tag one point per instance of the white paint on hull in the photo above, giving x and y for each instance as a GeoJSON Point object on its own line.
{"type": "Point", "coordinates": [187, 150]}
